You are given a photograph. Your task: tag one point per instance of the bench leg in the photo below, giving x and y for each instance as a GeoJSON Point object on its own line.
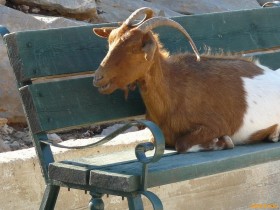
{"type": "Point", "coordinates": [135, 202]}
{"type": "Point", "coordinates": [96, 202]}
{"type": "Point", "coordinates": [49, 198]}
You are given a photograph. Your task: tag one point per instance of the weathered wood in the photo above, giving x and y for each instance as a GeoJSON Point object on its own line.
{"type": "Point", "coordinates": [226, 32]}
{"type": "Point", "coordinates": [121, 171]}
{"type": "Point", "coordinates": [77, 171]}
{"type": "Point", "coordinates": [77, 49]}
{"type": "Point", "coordinates": [271, 60]}
{"type": "Point", "coordinates": [75, 102]}
{"type": "Point", "coordinates": [181, 167]}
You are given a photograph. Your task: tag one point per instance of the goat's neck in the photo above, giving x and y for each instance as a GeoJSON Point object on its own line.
{"type": "Point", "coordinates": [155, 90]}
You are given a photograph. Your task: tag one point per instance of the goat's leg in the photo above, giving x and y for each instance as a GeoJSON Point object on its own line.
{"type": "Point", "coordinates": [269, 134]}
{"type": "Point", "coordinates": [202, 140]}
{"type": "Point", "coordinates": [274, 136]}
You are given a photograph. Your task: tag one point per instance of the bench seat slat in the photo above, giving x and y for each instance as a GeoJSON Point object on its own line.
{"type": "Point", "coordinates": [184, 167]}
{"type": "Point", "coordinates": [124, 176]}
{"type": "Point", "coordinates": [71, 50]}
{"type": "Point", "coordinates": [75, 102]}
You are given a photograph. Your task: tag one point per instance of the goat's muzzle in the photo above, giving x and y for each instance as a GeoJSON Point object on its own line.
{"type": "Point", "coordinates": [104, 85]}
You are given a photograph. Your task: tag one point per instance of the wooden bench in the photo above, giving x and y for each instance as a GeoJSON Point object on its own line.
{"type": "Point", "coordinates": [40, 57]}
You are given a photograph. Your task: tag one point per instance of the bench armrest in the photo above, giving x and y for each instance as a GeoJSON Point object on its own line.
{"type": "Point", "coordinates": [140, 151]}
{"type": "Point", "coordinates": [159, 140]}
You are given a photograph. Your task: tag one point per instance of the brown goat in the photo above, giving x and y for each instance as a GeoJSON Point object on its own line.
{"type": "Point", "coordinates": [200, 103]}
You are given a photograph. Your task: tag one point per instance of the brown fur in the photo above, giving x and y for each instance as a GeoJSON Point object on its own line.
{"type": "Point", "coordinates": [192, 102]}
{"type": "Point", "coordinates": [271, 134]}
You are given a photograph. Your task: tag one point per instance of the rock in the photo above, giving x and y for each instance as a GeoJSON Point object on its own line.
{"type": "Point", "coordinates": [206, 6]}
{"type": "Point", "coordinates": [10, 105]}
{"type": "Point", "coordinates": [19, 134]}
{"type": "Point", "coordinates": [3, 2]}
{"type": "Point", "coordinates": [15, 145]}
{"type": "Point", "coordinates": [115, 10]}
{"type": "Point", "coordinates": [112, 128]}
{"type": "Point", "coordinates": [79, 9]}
{"type": "Point", "coordinates": [27, 138]}
{"type": "Point", "coordinates": [58, 22]}
{"type": "Point", "coordinates": [4, 147]}
{"type": "Point", "coordinates": [6, 130]}
{"type": "Point", "coordinates": [3, 121]}
{"type": "Point", "coordinates": [54, 137]}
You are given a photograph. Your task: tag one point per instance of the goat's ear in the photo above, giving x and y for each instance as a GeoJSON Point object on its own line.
{"type": "Point", "coordinates": [149, 47]}
{"type": "Point", "coordinates": [103, 32]}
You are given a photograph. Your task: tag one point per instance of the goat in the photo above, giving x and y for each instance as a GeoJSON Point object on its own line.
{"type": "Point", "coordinates": [205, 102]}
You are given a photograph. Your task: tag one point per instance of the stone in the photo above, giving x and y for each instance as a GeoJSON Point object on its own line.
{"type": "Point", "coordinates": [79, 9]}
{"type": "Point", "coordinates": [115, 11]}
{"type": "Point", "coordinates": [58, 22]}
{"type": "Point", "coordinates": [15, 145]}
{"type": "Point", "coordinates": [112, 128]}
{"type": "Point", "coordinates": [54, 137]}
{"type": "Point", "coordinates": [19, 134]}
{"type": "Point", "coordinates": [4, 147]}
{"type": "Point", "coordinates": [3, 2]}
{"type": "Point", "coordinates": [206, 6]}
{"type": "Point", "coordinates": [27, 138]}
{"type": "Point", "coordinates": [3, 121]}
{"type": "Point", "coordinates": [10, 105]}
{"type": "Point", "coordinates": [6, 130]}
{"type": "Point", "coordinates": [35, 10]}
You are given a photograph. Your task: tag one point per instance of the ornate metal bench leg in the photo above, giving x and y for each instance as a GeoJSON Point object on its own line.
{"type": "Point", "coordinates": [96, 202]}
{"type": "Point", "coordinates": [135, 202]}
{"type": "Point", "coordinates": [49, 198]}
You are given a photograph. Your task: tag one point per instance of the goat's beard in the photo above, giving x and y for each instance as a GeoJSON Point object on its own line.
{"type": "Point", "coordinates": [129, 87]}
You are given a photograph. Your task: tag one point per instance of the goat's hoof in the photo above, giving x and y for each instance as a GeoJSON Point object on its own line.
{"type": "Point", "coordinates": [274, 137]}
{"type": "Point", "coordinates": [221, 143]}
{"type": "Point", "coordinates": [228, 142]}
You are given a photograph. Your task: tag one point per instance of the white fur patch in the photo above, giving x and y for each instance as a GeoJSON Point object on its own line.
{"type": "Point", "coordinates": [263, 104]}
{"type": "Point", "coordinates": [195, 148]}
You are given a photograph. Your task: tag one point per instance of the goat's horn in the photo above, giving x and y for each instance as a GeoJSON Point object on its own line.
{"type": "Point", "coordinates": [137, 13]}
{"type": "Point", "coordinates": [162, 21]}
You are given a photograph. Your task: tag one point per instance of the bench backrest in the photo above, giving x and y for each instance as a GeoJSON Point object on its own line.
{"type": "Point", "coordinates": [38, 57]}
{"type": "Point", "coordinates": [56, 52]}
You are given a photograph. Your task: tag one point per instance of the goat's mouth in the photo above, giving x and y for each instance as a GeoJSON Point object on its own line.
{"type": "Point", "coordinates": [104, 88]}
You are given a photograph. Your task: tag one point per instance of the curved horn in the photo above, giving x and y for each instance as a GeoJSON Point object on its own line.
{"type": "Point", "coordinates": [162, 21]}
{"type": "Point", "coordinates": [144, 10]}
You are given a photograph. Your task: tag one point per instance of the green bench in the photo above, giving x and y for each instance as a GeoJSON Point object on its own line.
{"type": "Point", "coordinates": [40, 57]}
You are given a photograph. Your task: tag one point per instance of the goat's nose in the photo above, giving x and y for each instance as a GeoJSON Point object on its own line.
{"type": "Point", "coordinates": [96, 78]}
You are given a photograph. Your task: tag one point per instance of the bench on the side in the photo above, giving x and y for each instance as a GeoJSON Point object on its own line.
{"type": "Point", "coordinates": [40, 57]}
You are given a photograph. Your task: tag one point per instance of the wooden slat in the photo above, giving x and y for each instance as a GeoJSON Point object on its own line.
{"type": "Point", "coordinates": [231, 31]}
{"type": "Point", "coordinates": [271, 60]}
{"type": "Point", "coordinates": [77, 171]}
{"type": "Point", "coordinates": [182, 167]}
{"type": "Point", "coordinates": [54, 51]}
{"type": "Point", "coordinates": [55, 105]}
{"type": "Point", "coordinates": [121, 171]}
{"type": "Point", "coordinates": [71, 50]}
